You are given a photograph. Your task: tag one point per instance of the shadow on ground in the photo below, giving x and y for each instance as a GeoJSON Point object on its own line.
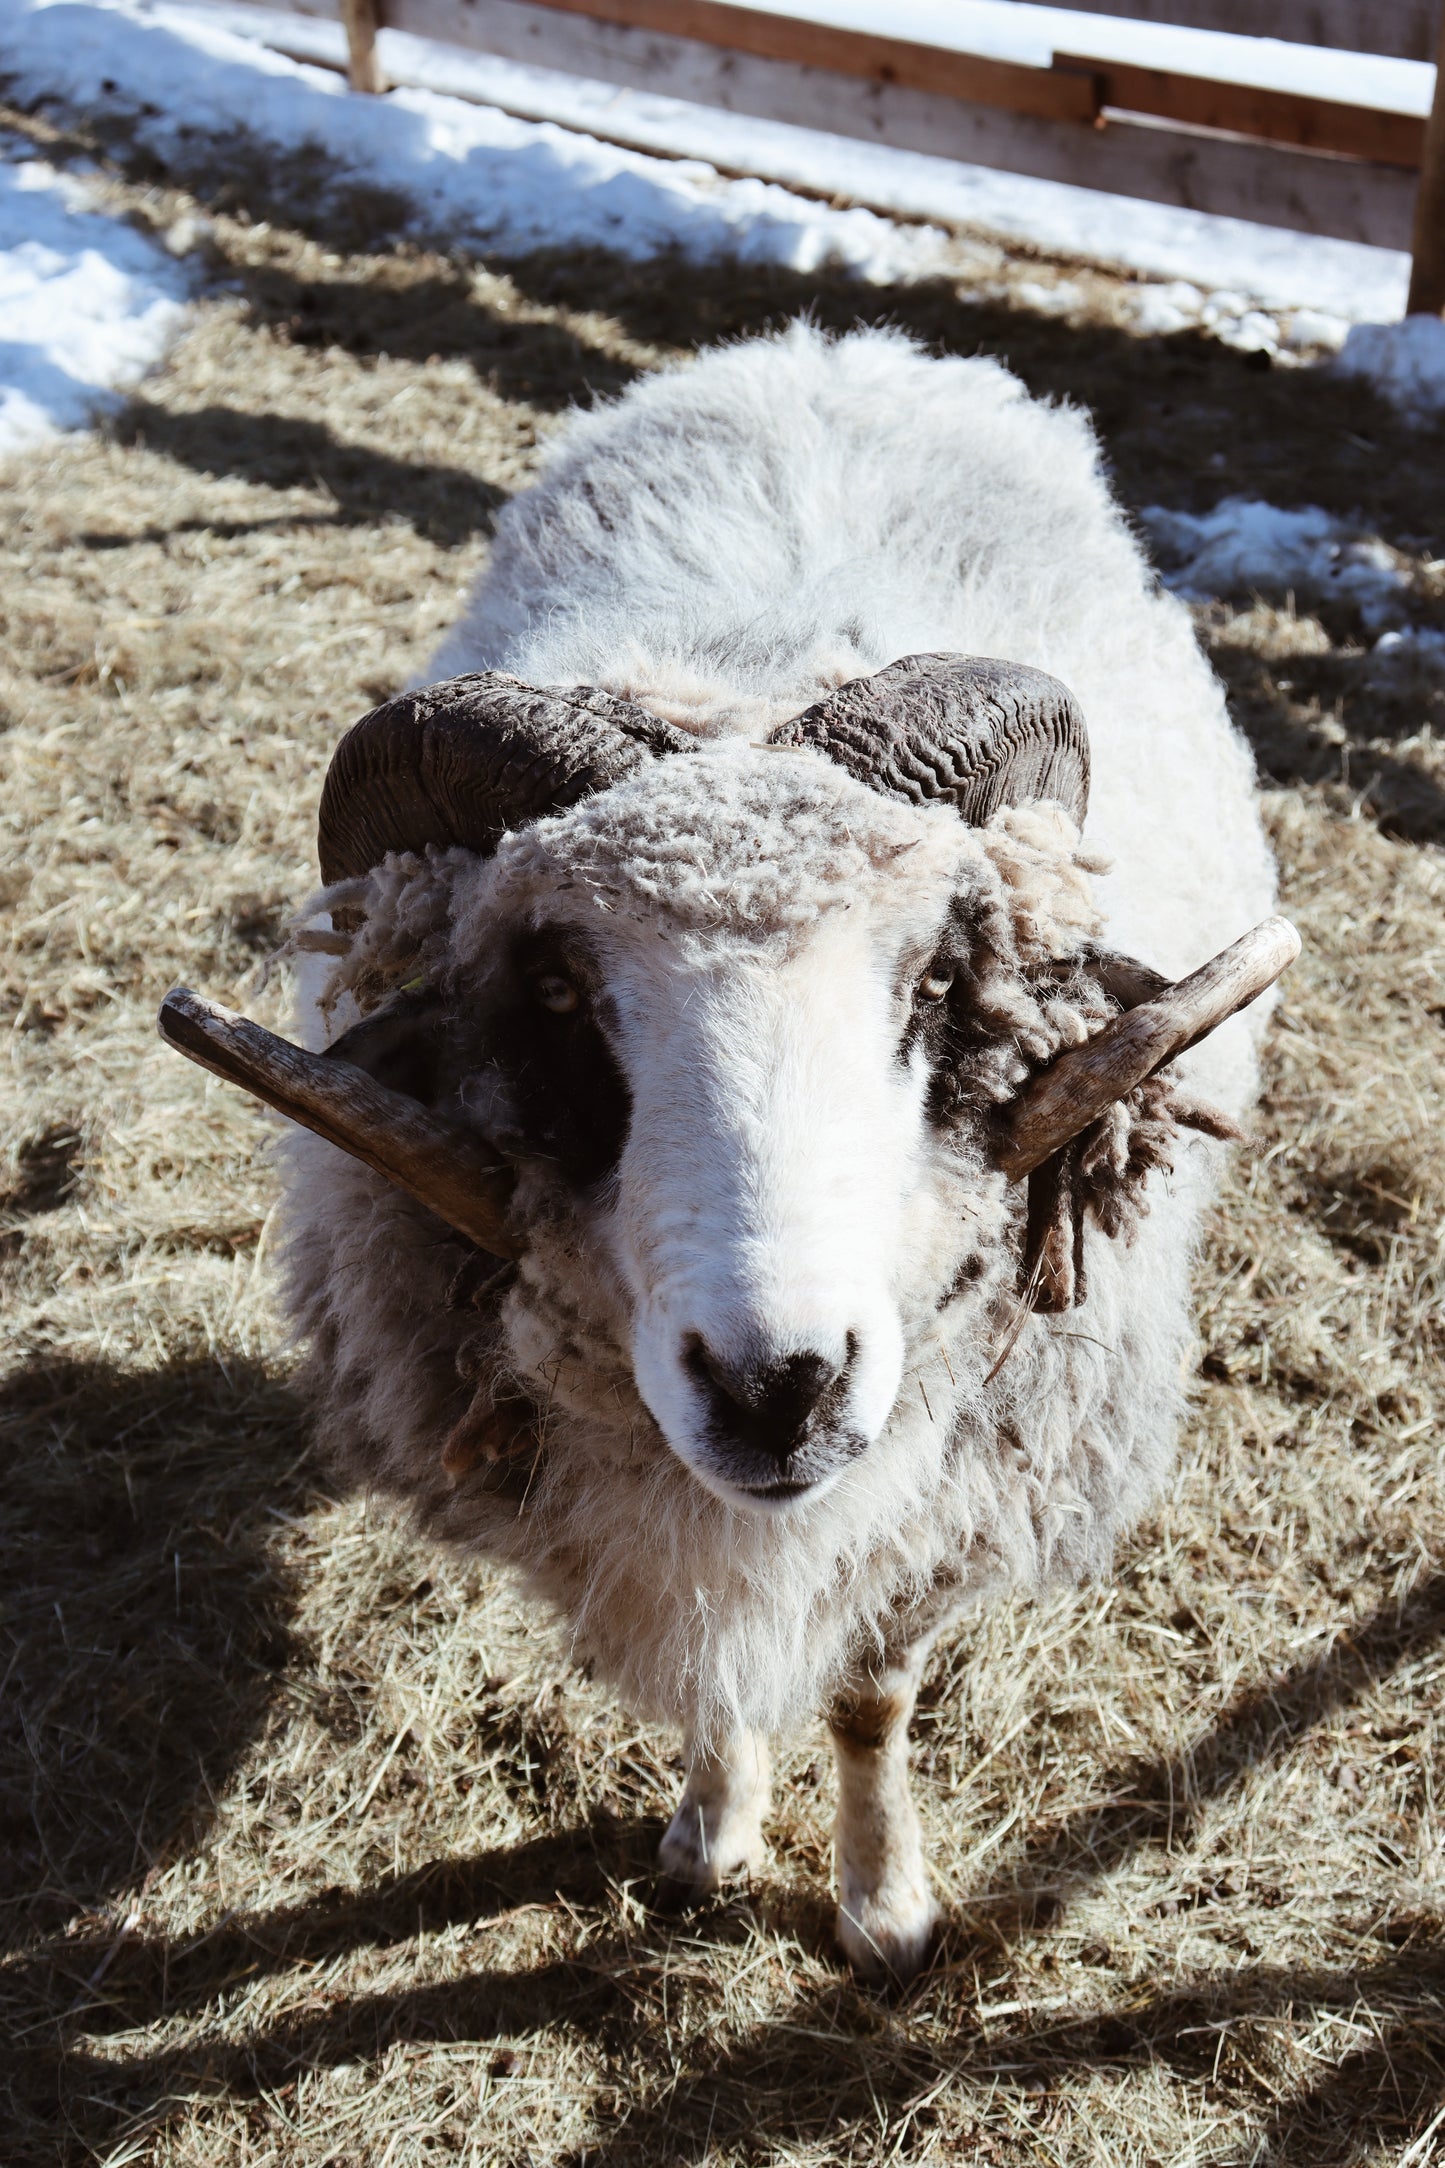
{"type": "Point", "coordinates": [144, 1628]}
{"type": "Point", "coordinates": [1209, 2032]}
{"type": "Point", "coordinates": [282, 451]}
{"type": "Point", "coordinates": [1345, 719]}
{"type": "Point", "coordinates": [429, 309]}
{"type": "Point", "coordinates": [1185, 420]}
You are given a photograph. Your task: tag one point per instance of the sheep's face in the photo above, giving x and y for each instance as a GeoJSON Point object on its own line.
{"type": "Point", "coordinates": [720, 1016]}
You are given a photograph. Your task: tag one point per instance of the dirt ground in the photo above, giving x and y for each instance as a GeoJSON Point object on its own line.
{"type": "Point", "coordinates": [313, 1851]}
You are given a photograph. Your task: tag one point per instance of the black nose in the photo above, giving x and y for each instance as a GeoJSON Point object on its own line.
{"type": "Point", "coordinates": [767, 1407]}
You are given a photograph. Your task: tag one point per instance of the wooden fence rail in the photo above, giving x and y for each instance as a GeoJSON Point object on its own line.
{"type": "Point", "coordinates": [1427, 260]}
{"type": "Point", "coordinates": [1278, 157]}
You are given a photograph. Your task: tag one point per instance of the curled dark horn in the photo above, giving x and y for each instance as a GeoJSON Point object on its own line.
{"type": "Point", "coordinates": [462, 761]}
{"type": "Point", "coordinates": [976, 734]}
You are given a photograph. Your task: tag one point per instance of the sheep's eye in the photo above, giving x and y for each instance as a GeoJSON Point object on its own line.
{"type": "Point", "coordinates": [556, 993]}
{"type": "Point", "coordinates": [935, 983]}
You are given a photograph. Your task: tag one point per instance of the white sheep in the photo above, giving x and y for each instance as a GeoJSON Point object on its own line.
{"type": "Point", "coordinates": [788, 1369]}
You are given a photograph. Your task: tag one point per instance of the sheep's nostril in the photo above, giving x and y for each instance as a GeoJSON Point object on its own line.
{"type": "Point", "coordinates": [768, 1404]}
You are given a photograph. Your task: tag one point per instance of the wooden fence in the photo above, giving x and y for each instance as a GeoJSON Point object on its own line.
{"type": "Point", "coordinates": [1278, 157]}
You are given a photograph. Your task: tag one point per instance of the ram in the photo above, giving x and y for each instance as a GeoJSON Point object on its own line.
{"type": "Point", "coordinates": [769, 1177]}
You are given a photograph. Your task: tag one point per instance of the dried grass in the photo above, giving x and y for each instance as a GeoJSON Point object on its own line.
{"type": "Point", "coordinates": [313, 1849]}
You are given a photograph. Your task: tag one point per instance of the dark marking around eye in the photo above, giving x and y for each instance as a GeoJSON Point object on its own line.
{"type": "Point", "coordinates": [945, 1019]}
{"type": "Point", "coordinates": [557, 993]}
{"type": "Point", "coordinates": [569, 1098]}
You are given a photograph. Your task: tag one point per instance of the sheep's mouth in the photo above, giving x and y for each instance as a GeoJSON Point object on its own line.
{"type": "Point", "coordinates": [738, 1480]}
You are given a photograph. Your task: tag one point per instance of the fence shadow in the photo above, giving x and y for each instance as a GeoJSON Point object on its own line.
{"type": "Point", "coordinates": [445, 504]}
{"type": "Point", "coordinates": [785, 2081]}
{"type": "Point", "coordinates": [1339, 722]}
{"type": "Point", "coordinates": [429, 309]}
{"type": "Point", "coordinates": [144, 1625]}
{"type": "Point", "coordinates": [1185, 420]}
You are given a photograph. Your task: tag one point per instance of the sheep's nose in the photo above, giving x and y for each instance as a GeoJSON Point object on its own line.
{"type": "Point", "coordinates": [768, 1405]}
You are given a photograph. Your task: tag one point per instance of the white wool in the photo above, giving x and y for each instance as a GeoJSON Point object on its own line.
{"type": "Point", "coordinates": [790, 513]}
{"type": "Point", "coordinates": [727, 543]}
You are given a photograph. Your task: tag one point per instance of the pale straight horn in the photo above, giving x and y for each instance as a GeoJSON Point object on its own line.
{"type": "Point", "coordinates": [437, 1161]}
{"type": "Point", "coordinates": [1077, 1086]}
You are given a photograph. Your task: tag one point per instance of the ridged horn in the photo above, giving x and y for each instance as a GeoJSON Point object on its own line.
{"type": "Point", "coordinates": [1062, 1100]}
{"type": "Point", "coordinates": [435, 1158]}
{"type": "Point", "coordinates": [973, 733]}
{"type": "Point", "coordinates": [462, 761]}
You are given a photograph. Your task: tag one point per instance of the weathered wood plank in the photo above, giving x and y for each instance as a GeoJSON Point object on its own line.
{"type": "Point", "coordinates": [1297, 189]}
{"type": "Point", "coordinates": [363, 68]}
{"type": "Point", "coordinates": [1397, 29]}
{"type": "Point", "coordinates": [1010, 85]}
{"type": "Point", "coordinates": [1275, 116]}
{"type": "Point", "coordinates": [1427, 265]}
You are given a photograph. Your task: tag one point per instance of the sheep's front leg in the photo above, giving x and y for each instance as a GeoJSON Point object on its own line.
{"type": "Point", "coordinates": [886, 1908]}
{"type": "Point", "coordinates": [717, 1831]}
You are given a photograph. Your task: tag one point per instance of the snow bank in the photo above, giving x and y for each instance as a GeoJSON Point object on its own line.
{"type": "Point", "coordinates": [87, 303]}
{"type": "Point", "coordinates": [470, 171]}
{"type": "Point", "coordinates": [1245, 545]}
{"type": "Point", "coordinates": [1404, 361]}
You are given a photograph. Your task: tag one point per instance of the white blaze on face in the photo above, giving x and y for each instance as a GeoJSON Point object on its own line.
{"type": "Point", "coordinates": [775, 1141]}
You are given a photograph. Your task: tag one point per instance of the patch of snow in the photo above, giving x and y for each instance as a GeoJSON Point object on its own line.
{"type": "Point", "coordinates": [1235, 323]}
{"type": "Point", "coordinates": [1048, 300]}
{"type": "Point", "coordinates": [1245, 545]}
{"type": "Point", "coordinates": [87, 303]}
{"type": "Point", "coordinates": [1308, 328]}
{"type": "Point", "coordinates": [1160, 310]}
{"type": "Point", "coordinates": [1404, 361]}
{"type": "Point", "coordinates": [1231, 317]}
{"type": "Point", "coordinates": [1420, 641]}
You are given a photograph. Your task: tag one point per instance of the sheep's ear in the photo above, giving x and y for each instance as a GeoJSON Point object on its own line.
{"type": "Point", "coordinates": [1125, 980]}
{"type": "Point", "coordinates": [401, 1046]}
{"type": "Point", "coordinates": [437, 1159]}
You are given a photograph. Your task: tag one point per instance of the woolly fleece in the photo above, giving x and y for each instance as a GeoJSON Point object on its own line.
{"type": "Point", "coordinates": [725, 543]}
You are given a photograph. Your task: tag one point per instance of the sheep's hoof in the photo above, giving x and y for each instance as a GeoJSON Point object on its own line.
{"type": "Point", "coordinates": [887, 1934]}
{"type": "Point", "coordinates": [703, 1851]}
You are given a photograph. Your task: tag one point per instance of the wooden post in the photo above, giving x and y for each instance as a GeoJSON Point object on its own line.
{"type": "Point", "coordinates": [362, 19]}
{"type": "Point", "coordinates": [1427, 262]}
